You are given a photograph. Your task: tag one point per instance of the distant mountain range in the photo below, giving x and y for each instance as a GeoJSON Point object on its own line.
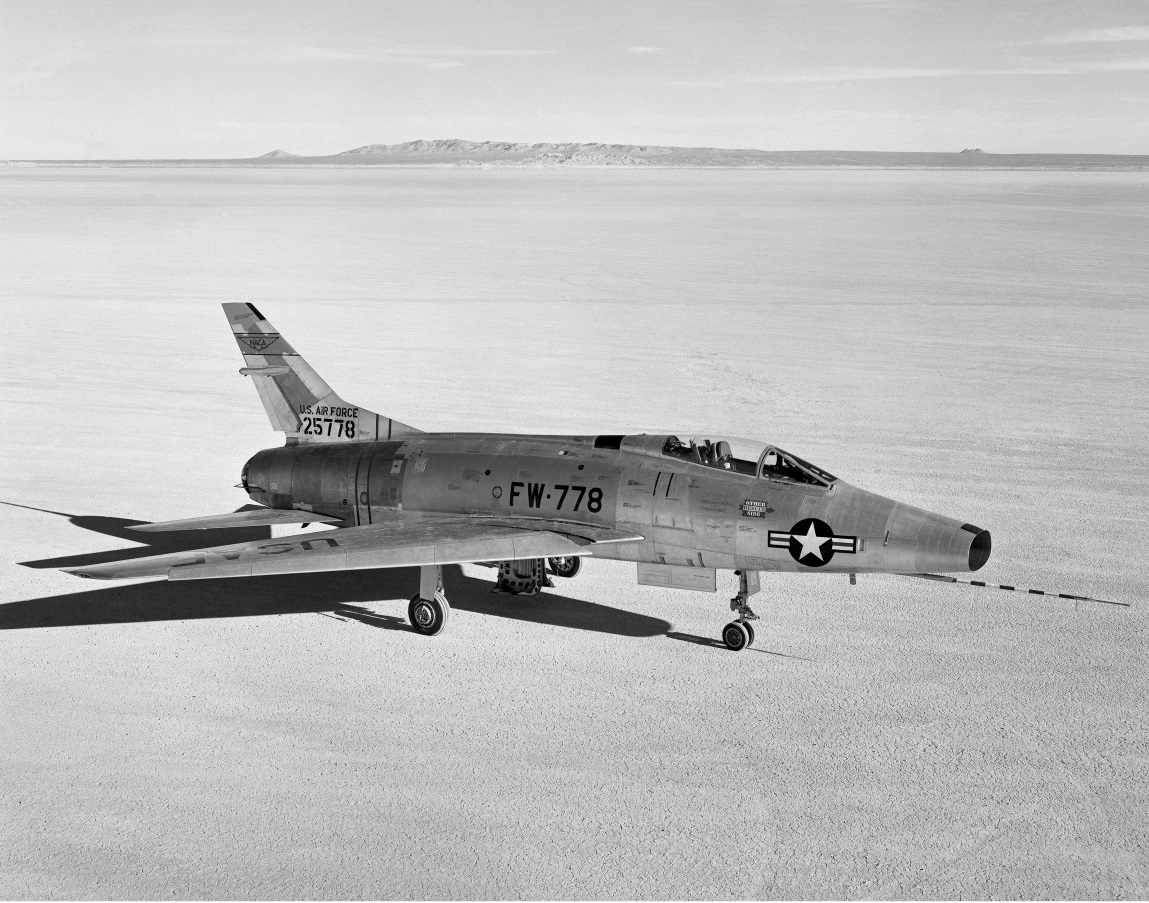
{"type": "Point", "coordinates": [455, 152]}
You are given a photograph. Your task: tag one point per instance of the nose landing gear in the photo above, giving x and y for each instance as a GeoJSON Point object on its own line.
{"type": "Point", "coordinates": [739, 634]}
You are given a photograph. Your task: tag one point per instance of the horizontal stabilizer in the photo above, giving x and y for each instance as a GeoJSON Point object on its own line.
{"type": "Point", "coordinates": [402, 544]}
{"type": "Point", "coordinates": [264, 371]}
{"type": "Point", "coordinates": [260, 517]}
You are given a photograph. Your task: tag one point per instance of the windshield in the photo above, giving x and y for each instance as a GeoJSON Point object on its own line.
{"type": "Point", "coordinates": [781, 465]}
{"type": "Point", "coordinates": [747, 456]}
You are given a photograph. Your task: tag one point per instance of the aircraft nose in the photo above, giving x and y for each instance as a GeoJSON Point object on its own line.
{"type": "Point", "coordinates": [921, 541]}
{"type": "Point", "coordinates": [979, 548]}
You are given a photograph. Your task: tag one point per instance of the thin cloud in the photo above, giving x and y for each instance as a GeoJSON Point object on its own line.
{"type": "Point", "coordinates": [1099, 35]}
{"type": "Point", "coordinates": [1083, 67]}
{"type": "Point", "coordinates": [689, 83]}
{"type": "Point", "coordinates": [644, 50]}
{"type": "Point", "coordinates": [851, 75]}
{"type": "Point", "coordinates": [42, 67]}
{"type": "Point", "coordinates": [423, 56]}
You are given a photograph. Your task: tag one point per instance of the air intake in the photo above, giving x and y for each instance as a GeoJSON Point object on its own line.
{"type": "Point", "coordinates": [979, 550]}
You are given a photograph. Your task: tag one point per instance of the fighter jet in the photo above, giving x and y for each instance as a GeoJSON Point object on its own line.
{"type": "Point", "coordinates": [535, 505]}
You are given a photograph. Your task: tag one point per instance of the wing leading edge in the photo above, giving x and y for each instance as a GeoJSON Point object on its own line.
{"type": "Point", "coordinates": [376, 546]}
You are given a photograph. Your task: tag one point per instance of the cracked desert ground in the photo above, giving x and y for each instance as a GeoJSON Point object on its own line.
{"type": "Point", "coordinates": [973, 343]}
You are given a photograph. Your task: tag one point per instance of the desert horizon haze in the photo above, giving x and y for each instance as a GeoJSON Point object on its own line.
{"type": "Point", "coordinates": [198, 79]}
{"type": "Point", "coordinates": [459, 152]}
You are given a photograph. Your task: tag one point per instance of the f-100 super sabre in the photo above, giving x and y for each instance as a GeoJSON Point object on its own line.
{"type": "Point", "coordinates": [535, 505]}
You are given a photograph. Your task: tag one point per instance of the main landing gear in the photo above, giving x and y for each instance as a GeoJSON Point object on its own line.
{"type": "Point", "coordinates": [530, 576]}
{"type": "Point", "coordinates": [429, 611]}
{"type": "Point", "coordinates": [527, 577]}
{"type": "Point", "coordinates": [567, 566]}
{"type": "Point", "coordinates": [739, 634]}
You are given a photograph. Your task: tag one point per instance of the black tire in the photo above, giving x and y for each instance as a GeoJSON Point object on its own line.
{"type": "Point", "coordinates": [735, 636]}
{"type": "Point", "coordinates": [565, 567]}
{"type": "Point", "coordinates": [750, 630]}
{"type": "Point", "coordinates": [429, 616]}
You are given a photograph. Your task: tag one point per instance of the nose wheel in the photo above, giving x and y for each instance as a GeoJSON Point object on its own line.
{"type": "Point", "coordinates": [737, 635]}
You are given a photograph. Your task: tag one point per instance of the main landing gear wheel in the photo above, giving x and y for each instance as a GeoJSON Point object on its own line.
{"type": "Point", "coordinates": [429, 616]}
{"type": "Point", "coordinates": [737, 635]}
{"type": "Point", "coordinates": [567, 566]}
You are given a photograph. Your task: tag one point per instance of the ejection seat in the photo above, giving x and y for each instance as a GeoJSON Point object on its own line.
{"type": "Point", "coordinates": [723, 456]}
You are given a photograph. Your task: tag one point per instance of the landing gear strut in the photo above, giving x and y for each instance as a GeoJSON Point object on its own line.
{"type": "Point", "coordinates": [429, 611]}
{"type": "Point", "coordinates": [737, 635]}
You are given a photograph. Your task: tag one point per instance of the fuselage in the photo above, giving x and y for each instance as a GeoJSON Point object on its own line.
{"type": "Point", "coordinates": [692, 513]}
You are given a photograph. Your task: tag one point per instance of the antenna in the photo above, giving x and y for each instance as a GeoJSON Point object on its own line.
{"type": "Point", "coordinates": [1033, 592]}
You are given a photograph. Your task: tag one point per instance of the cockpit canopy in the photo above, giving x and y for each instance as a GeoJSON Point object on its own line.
{"type": "Point", "coordinates": [746, 456]}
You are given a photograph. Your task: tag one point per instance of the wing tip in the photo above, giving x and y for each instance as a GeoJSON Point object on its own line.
{"type": "Point", "coordinates": [94, 573]}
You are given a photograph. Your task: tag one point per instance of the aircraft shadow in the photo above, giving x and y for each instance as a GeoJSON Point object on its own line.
{"type": "Point", "coordinates": [338, 593]}
{"type": "Point", "coordinates": [153, 543]}
{"type": "Point", "coordinates": [342, 593]}
{"type": "Point", "coordinates": [696, 640]}
{"type": "Point", "coordinates": [718, 644]}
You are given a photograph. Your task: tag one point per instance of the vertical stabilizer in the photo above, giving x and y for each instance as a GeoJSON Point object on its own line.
{"type": "Point", "coordinates": [297, 400]}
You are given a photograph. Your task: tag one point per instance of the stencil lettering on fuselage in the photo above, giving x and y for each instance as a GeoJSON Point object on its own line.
{"type": "Point", "coordinates": [328, 420]}
{"type": "Point", "coordinates": [756, 508]}
{"type": "Point", "coordinates": [554, 497]}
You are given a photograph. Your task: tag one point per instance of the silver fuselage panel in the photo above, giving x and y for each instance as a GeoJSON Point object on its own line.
{"type": "Point", "coordinates": [690, 514]}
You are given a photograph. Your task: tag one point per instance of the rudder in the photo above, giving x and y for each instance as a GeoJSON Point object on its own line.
{"type": "Point", "coordinates": [297, 400]}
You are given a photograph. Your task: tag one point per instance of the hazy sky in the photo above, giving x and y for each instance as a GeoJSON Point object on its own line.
{"type": "Point", "coordinates": [229, 79]}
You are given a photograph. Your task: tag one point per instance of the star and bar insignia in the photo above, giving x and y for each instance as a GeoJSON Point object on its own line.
{"type": "Point", "coordinates": [812, 542]}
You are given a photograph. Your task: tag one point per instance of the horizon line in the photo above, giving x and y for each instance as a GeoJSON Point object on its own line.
{"type": "Point", "coordinates": [361, 151]}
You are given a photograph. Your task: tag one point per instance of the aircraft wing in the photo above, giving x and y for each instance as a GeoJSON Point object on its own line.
{"type": "Point", "coordinates": [256, 517]}
{"type": "Point", "coordinates": [400, 544]}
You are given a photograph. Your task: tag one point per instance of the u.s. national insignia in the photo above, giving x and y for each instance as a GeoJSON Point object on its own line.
{"type": "Point", "coordinates": [259, 342]}
{"type": "Point", "coordinates": [812, 542]}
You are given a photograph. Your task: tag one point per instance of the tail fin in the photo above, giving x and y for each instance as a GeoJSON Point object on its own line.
{"type": "Point", "coordinates": [297, 400]}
